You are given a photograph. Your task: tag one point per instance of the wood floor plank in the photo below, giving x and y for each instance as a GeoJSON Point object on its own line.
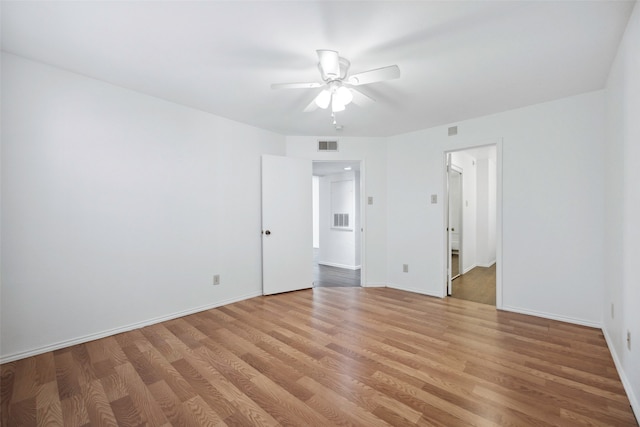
{"type": "Point", "coordinates": [126, 413]}
{"type": "Point", "coordinates": [327, 356]}
{"type": "Point", "coordinates": [48, 404]}
{"type": "Point", "coordinates": [171, 405]}
{"type": "Point", "coordinates": [66, 375]}
{"type": "Point", "coordinates": [7, 383]}
{"type": "Point", "coordinates": [326, 402]}
{"type": "Point", "coordinates": [74, 411]}
{"type": "Point", "coordinates": [97, 404]}
{"type": "Point", "coordinates": [27, 369]}
{"type": "Point", "coordinates": [142, 399]}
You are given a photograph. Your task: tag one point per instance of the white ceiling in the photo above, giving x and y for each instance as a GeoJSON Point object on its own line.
{"type": "Point", "coordinates": [458, 59]}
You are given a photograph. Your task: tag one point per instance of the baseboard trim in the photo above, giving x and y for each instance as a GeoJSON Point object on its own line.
{"type": "Point", "coordinates": [550, 316]}
{"type": "Point", "coordinates": [414, 290]}
{"type": "Point", "coordinates": [126, 328]}
{"type": "Point", "coordinates": [335, 264]}
{"type": "Point", "coordinates": [374, 285]}
{"type": "Point", "coordinates": [487, 265]}
{"type": "Point", "coordinates": [466, 270]}
{"type": "Point", "coordinates": [635, 405]}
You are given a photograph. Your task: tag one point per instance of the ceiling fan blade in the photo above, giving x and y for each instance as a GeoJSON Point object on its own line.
{"type": "Point", "coordinates": [360, 98]}
{"type": "Point", "coordinates": [329, 63]}
{"type": "Point", "coordinates": [311, 107]}
{"type": "Point", "coordinates": [322, 100]}
{"type": "Point", "coordinates": [377, 75]}
{"type": "Point", "coordinates": [295, 85]}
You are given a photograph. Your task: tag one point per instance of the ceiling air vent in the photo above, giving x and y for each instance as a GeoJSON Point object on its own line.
{"type": "Point", "coordinates": [327, 145]}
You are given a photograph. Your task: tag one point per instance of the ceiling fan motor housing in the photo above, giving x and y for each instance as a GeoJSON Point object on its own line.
{"type": "Point", "coordinates": [344, 65]}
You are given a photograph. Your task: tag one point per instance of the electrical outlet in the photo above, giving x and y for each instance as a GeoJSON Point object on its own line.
{"type": "Point", "coordinates": [629, 340]}
{"type": "Point", "coordinates": [216, 279]}
{"type": "Point", "coordinates": [405, 268]}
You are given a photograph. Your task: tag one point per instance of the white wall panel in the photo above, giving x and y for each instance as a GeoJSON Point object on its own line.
{"type": "Point", "coordinates": [622, 210]}
{"type": "Point", "coordinates": [118, 208]}
{"type": "Point", "coordinates": [552, 217]}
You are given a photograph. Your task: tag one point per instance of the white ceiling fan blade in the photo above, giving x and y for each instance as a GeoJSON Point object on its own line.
{"type": "Point", "coordinates": [329, 63]}
{"type": "Point", "coordinates": [311, 107]}
{"type": "Point", "coordinates": [361, 99]}
{"type": "Point", "coordinates": [377, 75]}
{"type": "Point", "coordinates": [295, 85]}
{"type": "Point", "coordinates": [322, 100]}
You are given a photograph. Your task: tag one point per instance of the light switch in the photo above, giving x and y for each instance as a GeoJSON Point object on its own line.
{"type": "Point", "coordinates": [434, 198]}
{"type": "Point", "coordinates": [370, 200]}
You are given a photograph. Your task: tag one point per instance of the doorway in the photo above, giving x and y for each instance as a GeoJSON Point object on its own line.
{"type": "Point", "coordinates": [337, 224]}
{"type": "Point", "coordinates": [454, 226]}
{"type": "Point", "coordinates": [471, 218]}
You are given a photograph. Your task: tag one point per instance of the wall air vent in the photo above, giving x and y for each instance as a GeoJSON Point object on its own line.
{"type": "Point", "coordinates": [340, 220]}
{"type": "Point", "coordinates": [327, 145]}
{"type": "Point", "coordinates": [453, 130]}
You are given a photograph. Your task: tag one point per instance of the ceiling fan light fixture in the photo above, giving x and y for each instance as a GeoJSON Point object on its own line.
{"type": "Point", "coordinates": [336, 105]}
{"type": "Point", "coordinates": [344, 95]}
{"type": "Point", "coordinates": [323, 99]}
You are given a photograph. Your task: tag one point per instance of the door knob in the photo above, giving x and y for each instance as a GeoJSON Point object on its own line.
{"type": "Point", "coordinates": [267, 232]}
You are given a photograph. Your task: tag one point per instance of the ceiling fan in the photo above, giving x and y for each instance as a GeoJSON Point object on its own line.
{"type": "Point", "coordinates": [339, 87]}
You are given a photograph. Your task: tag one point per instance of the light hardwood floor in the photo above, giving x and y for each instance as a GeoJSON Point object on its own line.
{"type": "Point", "coordinates": [323, 357]}
{"type": "Point", "coordinates": [477, 285]}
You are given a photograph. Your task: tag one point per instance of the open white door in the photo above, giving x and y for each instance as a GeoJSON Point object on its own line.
{"type": "Point", "coordinates": [287, 231]}
{"type": "Point", "coordinates": [447, 211]}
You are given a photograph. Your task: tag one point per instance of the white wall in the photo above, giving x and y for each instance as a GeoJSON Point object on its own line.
{"type": "Point", "coordinates": [118, 208]}
{"type": "Point", "coordinates": [338, 247]}
{"type": "Point", "coordinates": [486, 218]}
{"type": "Point", "coordinates": [622, 210]}
{"type": "Point", "coordinates": [372, 152]}
{"type": "Point", "coordinates": [358, 226]}
{"type": "Point", "coordinates": [316, 211]}
{"type": "Point", "coordinates": [552, 216]}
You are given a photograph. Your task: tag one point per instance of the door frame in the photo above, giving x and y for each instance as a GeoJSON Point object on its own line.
{"type": "Point", "coordinates": [498, 143]}
{"type": "Point", "coordinates": [450, 276]}
{"type": "Point", "coordinates": [363, 205]}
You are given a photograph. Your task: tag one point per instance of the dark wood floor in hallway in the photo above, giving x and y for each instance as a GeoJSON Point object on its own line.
{"type": "Point", "coordinates": [324, 357]}
{"type": "Point", "coordinates": [328, 276]}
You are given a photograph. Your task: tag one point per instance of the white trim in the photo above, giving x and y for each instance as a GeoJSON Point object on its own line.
{"type": "Point", "coordinates": [334, 264]}
{"type": "Point", "coordinates": [487, 265]}
{"type": "Point", "coordinates": [126, 328]}
{"type": "Point", "coordinates": [413, 290]}
{"type": "Point", "coordinates": [375, 285]}
{"type": "Point", "coordinates": [499, 224]}
{"type": "Point", "coordinates": [635, 405]}
{"type": "Point", "coordinates": [465, 271]}
{"type": "Point", "coordinates": [551, 316]}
